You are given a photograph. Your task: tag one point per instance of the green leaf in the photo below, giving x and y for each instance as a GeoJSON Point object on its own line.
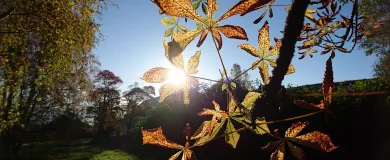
{"type": "Point", "coordinates": [169, 32]}
{"type": "Point", "coordinates": [166, 21]}
{"type": "Point", "coordinates": [233, 85]}
{"type": "Point", "coordinates": [206, 139]}
{"type": "Point", "coordinates": [223, 87]}
{"type": "Point", "coordinates": [204, 8]}
{"type": "Point", "coordinates": [250, 100]}
{"type": "Point", "coordinates": [232, 136]}
{"type": "Point", "coordinates": [196, 5]}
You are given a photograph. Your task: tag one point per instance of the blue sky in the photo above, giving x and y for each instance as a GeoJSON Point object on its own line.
{"type": "Point", "coordinates": [133, 44]}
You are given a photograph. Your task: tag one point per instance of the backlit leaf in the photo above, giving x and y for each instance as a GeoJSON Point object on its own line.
{"type": "Point", "coordinates": [187, 155]}
{"type": "Point", "coordinates": [217, 36]}
{"type": "Point", "coordinates": [212, 6]}
{"type": "Point", "coordinates": [316, 140]}
{"type": "Point", "coordinates": [295, 129]}
{"type": "Point", "coordinates": [203, 130]}
{"type": "Point", "coordinates": [279, 152]}
{"type": "Point", "coordinates": [224, 87]}
{"type": "Point", "coordinates": [307, 105]}
{"type": "Point", "coordinates": [243, 7]}
{"type": "Point", "coordinates": [250, 99]}
{"type": "Point", "coordinates": [233, 137]}
{"type": "Point", "coordinates": [193, 63]}
{"type": "Point", "coordinates": [202, 37]}
{"type": "Point", "coordinates": [261, 17]}
{"type": "Point", "coordinates": [262, 128]}
{"type": "Point", "coordinates": [204, 9]}
{"type": "Point", "coordinates": [169, 32]}
{"type": "Point", "coordinates": [275, 49]}
{"type": "Point", "coordinates": [234, 32]}
{"type": "Point", "coordinates": [166, 21]}
{"type": "Point", "coordinates": [255, 64]}
{"type": "Point", "coordinates": [290, 69]}
{"type": "Point", "coordinates": [264, 73]}
{"type": "Point", "coordinates": [297, 152]}
{"type": "Point", "coordinates": [233, 85]}
{"type": "Point", "coordinates": [251, 50]}
{"type": "Point", "coordinates": [206, 139]}
{"type": "Point", "coordinates": [178, 8]}
{"type": "Point", "coordinates": [196, 5]}
{"type": "Point", "coordinates": [178, 62]}
{"type": "Point", "coordinates": [263, 40]}
{"type": "Point", "coordinates": [184, 38]}
{"type": "Point", "coordinates": [156, 75]}
{"type": "Point", "coordinates": [166, 90]}
{"type": "Point", "coordinates": [184, 29]}
{"type": "Point", "coordinates": [231, 105]}
{"type": "Point", "coordinates": [176, 155]}
{"type": "Point", "coordinates": [156, 137]}
{"type": "Point", "coordinates": [327, 86]}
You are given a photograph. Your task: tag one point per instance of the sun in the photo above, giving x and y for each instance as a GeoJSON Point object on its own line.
{"type": "Point", "coordinates": [177, 77]}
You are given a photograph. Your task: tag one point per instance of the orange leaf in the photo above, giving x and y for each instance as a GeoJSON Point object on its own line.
{"type": "Point", "coordinates": [202, 38]}
{"type": "Point", "coordinates": [156, 75]}
{"type": "Point", "coordinates": [202, 130]}
{"type": "Point", "coordinates": [327, 86]}
{"type": "Point", "coordinates": [243, 7]}
{"type": "Point", "coordinates": [295, 129]}
{"type": "Point", "coordinates": [178, 8]}
{"type": "Point", "coordinates": [307, 105]}
{"type": "Point", "coordinates": [156, 137]}
{"type": "Point", "coordinates": [212, 4]}
{"type": "Point", "coordinates": [316, 140]}
{"type": "Point", "coordinates": [263, 40]}
{"type": "Point", "coordinates": [234, 32]}
{"type": "Point", "coordinates": [218, 37]}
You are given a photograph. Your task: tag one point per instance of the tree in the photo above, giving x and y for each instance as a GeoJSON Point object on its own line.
{"type": "Point", "coordinates": [377, 30]}
{"type": "Point", "coordinates": [45, 59]}
{"type": "Point", "coordinates": [243, 77]}
{"type": "Point", "coordinates": [106, 101]}
{"type": "Point", "coordinates": [133, 97]}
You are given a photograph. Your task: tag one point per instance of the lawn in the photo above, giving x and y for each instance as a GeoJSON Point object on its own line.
{"type": "Point", "coordinates": [73, 150]}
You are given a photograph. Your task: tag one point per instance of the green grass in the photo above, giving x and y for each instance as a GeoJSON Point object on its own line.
{"type": "Point", "coordinates": [73, 150]}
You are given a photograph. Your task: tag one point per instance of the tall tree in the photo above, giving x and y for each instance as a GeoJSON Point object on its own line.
{"type": "Point", "coordinates": [243, 78]}
{"type": "Point", "coordinates": [106, 100]}
{"type": "Point", "coordinates": [376, 28]}
{"type": "Point", "coordinates": [45, 57]}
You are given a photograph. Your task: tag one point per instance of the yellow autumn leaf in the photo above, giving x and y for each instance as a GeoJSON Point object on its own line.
{"type": "Point", "coordinates": [290, 69]}
{"type": "Point", "coordinates": [205, 139]}
{"type": "Point", "coordinates": [193, 63]}
{"type": "Point", "coordinates": [156, 75]}
{"type": "Point", "coordinates": [178, 62]}
{"type": "Point", "coordinates": [275, 49]}
{"type": "Point", "coordinates": [264, 73]}
{"type": "Point", "coordinates": [212, 6]}
{"type": "Point", "coordinates": [156, 137]}
{"type": "Point", "coordinates": [203, 130]}
{"type": "Point", "coordinates": [166, 21]}
{"type": "Point", "coordinates": [232, 136]}
{"type": "Point", "coordinates": [178, 8]}
{"type": "Point", "coordinates": [250, 99]}
{"type": "Point", "coordinates": [166, 90]}
{"type": "Point", "coordinates": [263, 39]}
{"type": "Point", "coordinates": [173, 157]}
{"type": "Point", "coordinates": [308, 12]}
{"type": "Point", "coordinates": [184, 38]}
{"type": "Point", "coordinates": [243, 7]}
{"type": "Point", "coordinates": [251, 50]}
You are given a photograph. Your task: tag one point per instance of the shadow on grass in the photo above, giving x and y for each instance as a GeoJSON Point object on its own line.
{"type": "Point", "coordinates": [72, 150]}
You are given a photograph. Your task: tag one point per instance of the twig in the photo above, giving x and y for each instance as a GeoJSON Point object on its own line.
{"type": "Point", "coordinates": [245, 71]}
{"type": "Point", "coordinates": [203, 78]}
